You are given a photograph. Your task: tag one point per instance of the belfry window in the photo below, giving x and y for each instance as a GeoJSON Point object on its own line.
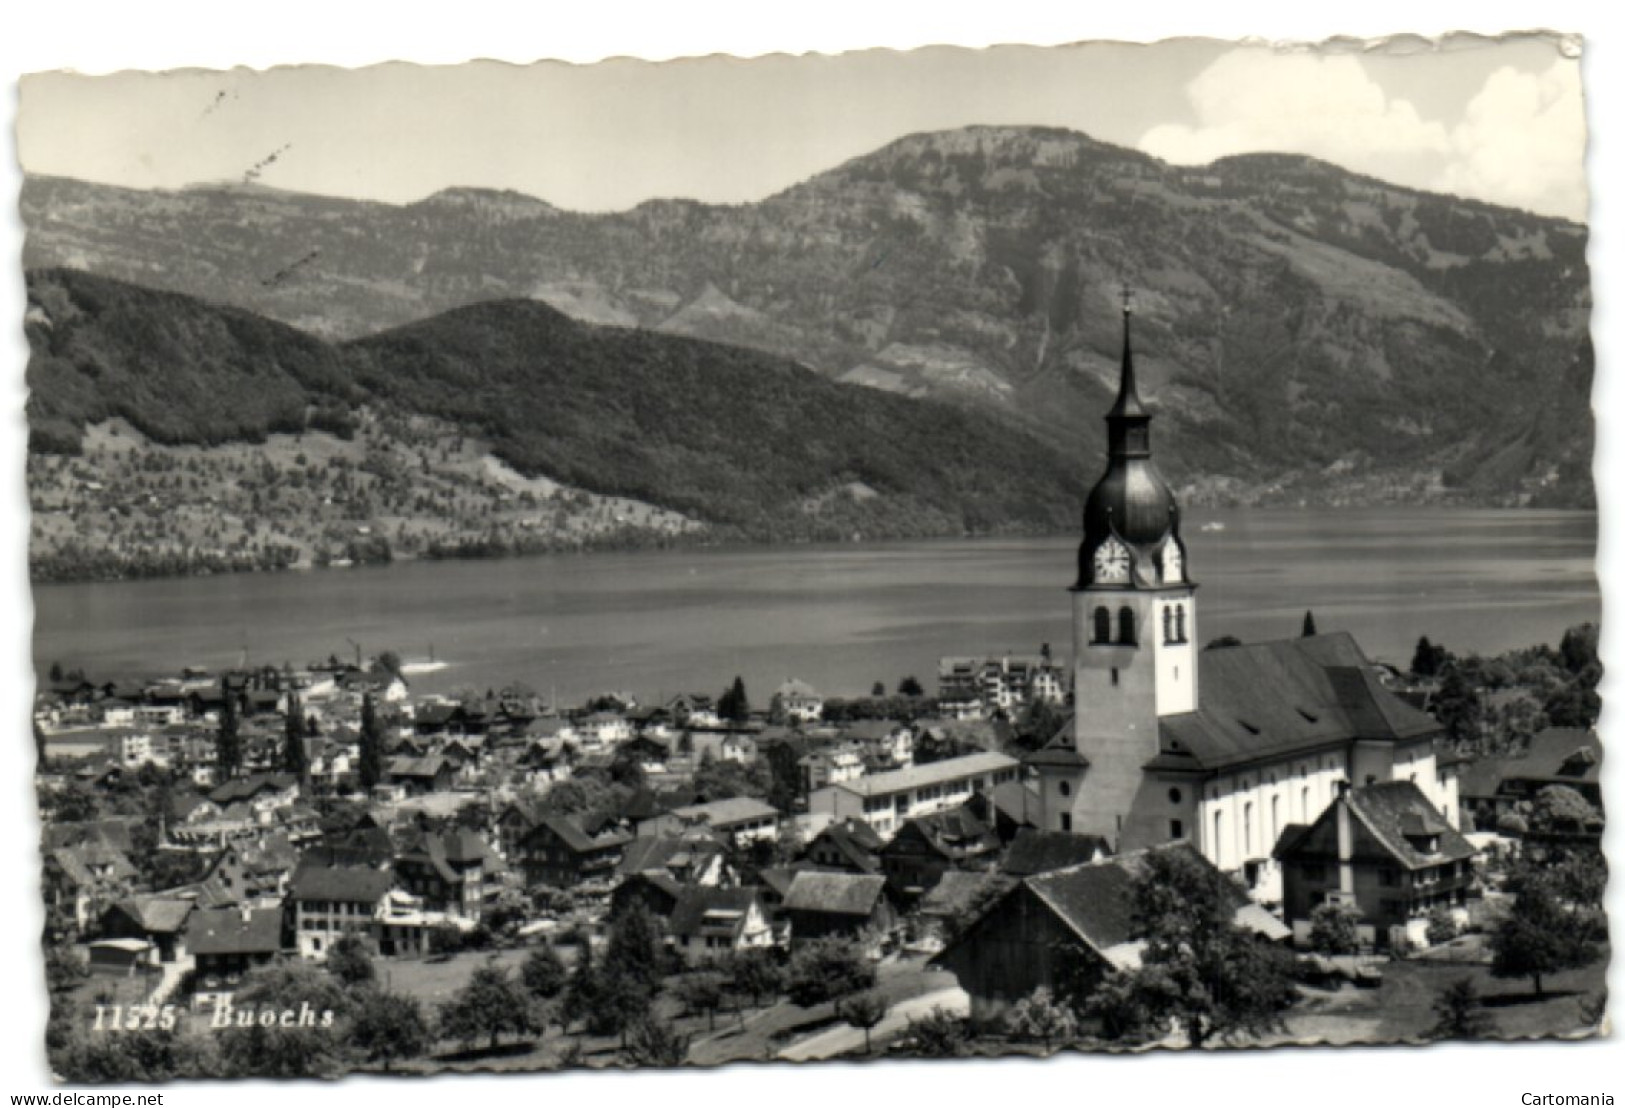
{"type": "Point", "coordinates": [1168, 625]}
{"type": "Point", "coordinates": [1179, 623]}
{"type": "Point", "coordinates": [1103, 625]}
{"type": "Point", "coordinates": [1125, 625]}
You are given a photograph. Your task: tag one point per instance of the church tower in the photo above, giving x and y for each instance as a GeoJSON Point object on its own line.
{"type": "Point", "coordinates": [1133, 630]}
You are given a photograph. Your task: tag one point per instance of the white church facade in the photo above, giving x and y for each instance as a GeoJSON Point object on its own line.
{"type": "Point", "coordinates": [1223, 748]}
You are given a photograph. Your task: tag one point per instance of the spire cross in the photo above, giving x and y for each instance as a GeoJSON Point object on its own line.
{"type": "Point", "coordinates": [1128, 298]}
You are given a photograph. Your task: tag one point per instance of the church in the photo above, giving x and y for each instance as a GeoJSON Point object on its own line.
{"type": "Point", "coordinates": [1221, 748]}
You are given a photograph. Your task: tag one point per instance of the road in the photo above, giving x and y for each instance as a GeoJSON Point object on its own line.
{"type": "Point", "coordinates": [843, 1038]}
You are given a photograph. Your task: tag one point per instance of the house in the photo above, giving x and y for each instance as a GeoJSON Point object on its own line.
{"type": "Point", "coordinates": [694, 857]}
{"type": "Point", "coordinates": [848, 846]}
{"type": "Point", "coordinates": [799, 701]}
{"type": "Point", "coordinates": [560, 852]}
{"type": "Point", "coordinates": [723, 745]}
{"type": "Point", "coordinates": [655, 891]}
{"type": "Point", "coordinates": [1033, 851]}
{"type": "Point", "coordinates": [453, 872]}
{"type": "Point", "coordinates": [693, 710]}
{"type": "Point", "coordinates": [831, 765]}
{"type": "Point", "coordinates": [741, 819]}
{"type": "Point", "coordinates": [158, 920]}
{"type": "Point", "coordinates": [885, 744]}
{"type": "Point", "coordinates": [708, 922]}
{"type": "Point", "coordinates": [885, 800]}
{"type": "Point", "coordinates": [1064, 930]}
{"type": "Point", "coordinates": [1492, 787]}
{"type": "Point", "coordinates": [954, 902]}
{"type": "Point", "coordinates": [603, 729]}
{"type": "Point", "coordinates": [837, 905]}
{"type": "Point", "coordinates": [1383, 849]}
{"type": "Point", "coordinates": [262, 792]}
{"type": "Point", "coordinates": [329, 897]}
{"type": "Point", "coordinates": [1008, 808]}
{"type": "Point", "coordinates": [228, 942]}
{"type": "Point", "coordinates": [431, 773]}
{"type": "Point", "coordinates": [1007, 684]}
{"type": "Point", "coordinates": [255, 871]}
{"type": "Point", "coordinates": [82, 881]}
{"type": "Point", "coordinates": [926, 847]}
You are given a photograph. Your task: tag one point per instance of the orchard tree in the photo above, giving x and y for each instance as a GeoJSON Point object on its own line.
{"type": "Point", "coordinates": [864, 1011]}
{"type": "Point", "coordinates": [350, 960]}
{"type": "Point", "coordinates": [1460, 1013]}
{"type": "Point", "coordinates": [1541, 935]}
{"type": "Point", "coordinates": [1041, 1017]}
{"type": "Point", "coordinates": [389, 1027]}
{"type": "Point", "coordinates": [1334, 929]}
{"type": "Point", "coordinates": [491, 1004]}
{"type": "Point", "coordinates": [543, 973]}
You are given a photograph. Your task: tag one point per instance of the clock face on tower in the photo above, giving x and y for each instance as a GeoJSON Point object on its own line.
{"type": "Point", "coordinates": [1111, 562]}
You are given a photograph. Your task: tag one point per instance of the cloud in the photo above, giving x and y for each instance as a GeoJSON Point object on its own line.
{"type": "Point", "coordinates": [1520, 140]}
{"type": "Point", "coordinates": [1328, 107]}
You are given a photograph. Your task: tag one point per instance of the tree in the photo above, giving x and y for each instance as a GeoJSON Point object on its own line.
{"type": "Point", "coordinates": [1038, 724]}
{"type": "Point", "coordinates": [1308, 624]}
{"type": "Point", "coordinates": [1334, 928]}
{"type": "Point", "coordinates": [389, 1027]}
{"type": "Point", "coordinates": [826, 969]}
{"type": "Point", "coordinates": [938, 1034]}
{"type": "Point", "coordinates": [1541, 935]}
{"type": "Point", "coordinates": [753, 973]}
{"type": "Point", "coordinates": [734, 705]}
{"type": "Point", "coordinates": [1460, 1013]}
{"type": "Point", "coordinates": [1560, 809]}
{"type": "Point", "coordinates": [1441, 926]}
{"type": "Point", "coordinates": [491, 1004]}
{"type": "Point", "coordinates": [635, 949]}
{"type": "Point", "coordinates": [543, 973]}
{"type": "Point", "coordinates": [910, 686]}
{"type": "Point", "coordinates": [1427, 660]}
{"type": "Point", "coordinates": [619, 1001]}
{"type": "Point", "coordinates": [350, 961]}
{"type": "Point", "coordinates": [581, 991]}
{"type": "Point", "coordinates": [371, 766]}
{"type": "Point", "coordinates": [294, 757]}
{"type": "Point", "coordinates": [654, 1042]}
{"type": "Point", "coordinates": [878, 689]}
{"type": "Point", "coordinates": [1040, 1017]}
{"type": "Point", "coordinates": [702, 991]}
{"type": "Point", "coordinates": [278, 1051]}
{"type": "Point", "coordinates": [1458, 708]}
{"type": "Point", "coordinates": [864, 1011]}
{"type": "Point", "coordinates": [1197, 967]}
{"type": "Point", "coordinates": [228, 744]}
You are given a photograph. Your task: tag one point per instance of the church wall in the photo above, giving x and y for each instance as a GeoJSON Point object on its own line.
{"type": "Point", "coordinates": [1290, 790]}
{"type": "Point", "coordinates": [1158, 804]}
{"type": "Point", "coordinates": [1176, 661]}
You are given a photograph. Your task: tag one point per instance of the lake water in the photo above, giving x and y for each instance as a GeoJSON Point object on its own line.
{"type": "Point", "coordinates": [840, 617]}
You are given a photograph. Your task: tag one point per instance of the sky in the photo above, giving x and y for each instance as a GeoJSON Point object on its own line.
{"type": "Point", "coordinates": [1497, 121]}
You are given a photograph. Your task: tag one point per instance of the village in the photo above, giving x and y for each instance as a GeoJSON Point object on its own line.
{"type": "Point", "coordinates": [829, 876]}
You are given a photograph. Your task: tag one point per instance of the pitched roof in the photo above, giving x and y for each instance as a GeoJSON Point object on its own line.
{"type": "Point", "coordinates": [246, 788]}
{"type": "Point", "coordinates": [430, 765]}
{"type": "Point", "coordinates": [1267, 700]}
{"type": "Point", "coordinates": [659, 853]}
{"type": "Point", "coordinates": [734, 809]}
{"type": "Point", "coordinates": [157, 914]}
{"type": "Point", "coordinates": [1398, 813]}
{"type": "Point", "coordinates": [707, 910]}
{"type": "Point", "coordinates": [573, 835]}
{"type": "Point", "coordinates": [960, 890]}
{"type": "Point", "coordinates": [318, 879]}
{"type": "Point", "coordinates": [1559, 755]}
{"type": "Point", "coordinates": [929, 773]}
{"type": "Point", "coordinates": [955, 833]}
{"type": "Point", "coordinates": [1034, 851]}
{"type": "Point", "coordinates": [233, 931]}
{"type": "Point", "coordinates": [844, 894]}
{"type": "Point", "coordinates": [795, 687]}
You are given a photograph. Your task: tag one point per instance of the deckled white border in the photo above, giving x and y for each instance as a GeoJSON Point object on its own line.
{"type": "Point", "coordinates": [105, 35]}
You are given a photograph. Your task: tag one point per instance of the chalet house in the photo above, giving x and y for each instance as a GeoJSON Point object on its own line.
{"type": "Point", "coordinates": [82, 881]}
{"type": "Point", "coordinates": [551, 730]}
{"type": "Point", "coordinates": [841, 905]}
{"type": "Point", "coordinates": [113, 831]}
{"type": "Point", "coordinates": [846, 846]}
{"type": "Point", "coordinates": [655, 891]}
{"type": "Point", "coordinates": [255, 872]}
{"type": "Point", "coordinates": [1064, 931]}
{"type": "Point", "coordinates": [329, 898]}
{"type": "Point", "coordinates": [694, 857]}
{"type": "Point", "coordinates": [227, 943]}
{"type": "Point", "coordinates": [885, 800]}
{"type": "Point", "coordinates": [926, 847]}
{"type": "Point", "coordinates": [1033, 852]}
{"type": "Point", "coordinates": [453, 872]}
{"type": "Point", "coordinates": [693, 710]}
{"type": "Point", "coordinates": [741, 819]}
{"type": "Point", "coordinates": [1492, 787]}
{"type": "Point", "coordinates": [799, 701]}
{"type": "Point", "coordinates": [264, 793]}
{"type": "Point", "coordinates": [651, 748]}
{"type": "Point", "coordinates": [831, 765]}
{"type": "Point", "coordinates": [708, 923]}
{"type": "Point", "coordinates": [159, 920]}
{"type": "Point", "coordinates": [513, 823]}
{"type": "Point", "coordinates": [436, 719]}
{"type": "Point", "coordinates": [601, 729]}
{"type": "Point", "coordinates": [886, 744]}
{"type": "Point", "coordinates": [724, 745]}
{"type": "Point", "coordinates": [561, 853]}
{"type": "Point", "coordinates": [431, 773]}
{"type": "Point", "coordinates": [1385, 850]}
